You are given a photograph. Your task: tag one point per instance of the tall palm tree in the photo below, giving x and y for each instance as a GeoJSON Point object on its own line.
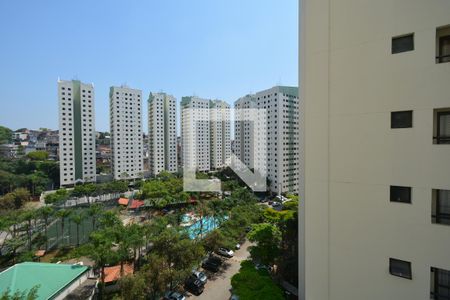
{"type": "Point", "coordinates": [28, 217]}
{"type": "Point", "coordinates": [63, 214]}
{"type": "Point", "coordinates": [101, 253]}
{"type": "Point", "coordinates": [77, 218]}
{"type": "Point", "coordinates": [46, 212]}
{"type": "Point", "coordinates": [93, 212]}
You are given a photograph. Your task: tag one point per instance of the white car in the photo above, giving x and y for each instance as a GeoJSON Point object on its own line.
{"type": "Point", "coordinates": [200, 276]}
{"type": "Point", "coordinates": [225, 252]}
{"type": "Point", "coordinates": [238, 246]}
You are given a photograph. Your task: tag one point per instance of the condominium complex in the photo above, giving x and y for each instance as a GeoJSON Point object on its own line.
{"type": "Point", "coordinates": [76, 132]}
{"type": "Point", "coordinates": [162, 133]}
{"type": "Point", "coordinates": [220, 142]}
{"type": "Point", "coordinates": [243, 130]}
{"type": "Point", "coordinates": [126, 132]}
{"type": "Point", "coordinates": [205, 133]}
{"type": "Point", "coordinates": [376, 218]}
{"type": "Point", "coordinates": [195, 133]}
{"type": "Point", "coordinates": [281, 104]}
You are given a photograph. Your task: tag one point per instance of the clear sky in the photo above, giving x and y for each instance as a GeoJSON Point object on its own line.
{"type": "Point", "coordinates": [210, 48]}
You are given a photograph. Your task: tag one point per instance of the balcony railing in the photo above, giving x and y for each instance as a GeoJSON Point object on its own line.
{"type": "Point", "coordinates": [443, 58]}
{"type": "Point", "coordinates": [441, 139]}
{"type": "Point", "coordinates": [441, 218]}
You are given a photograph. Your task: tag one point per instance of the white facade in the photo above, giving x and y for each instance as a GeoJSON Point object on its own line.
{"type": "Point", "coordinates": [282, 141]}
{"type": "Point", "coordinates": [195, 133]}
{"type": "Point", "coordinates": [126, 132]}
{"type": "Point", "coordinates": [355, 156]}
{"type": "Point", "coordinates": [76, 132]}
{"type": "Point", "coordinates": [243, 131]}
{"type": "Point", "coordinates": [162, 133]}
{"type": "Point", "coordinates": [220, 141]}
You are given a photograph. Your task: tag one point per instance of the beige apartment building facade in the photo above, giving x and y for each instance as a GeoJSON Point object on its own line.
{"type": "Point", "coordinates": [374, 80]}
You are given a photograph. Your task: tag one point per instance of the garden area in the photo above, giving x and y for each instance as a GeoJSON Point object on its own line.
{"type": "Point", "coordinates": [174, 232]}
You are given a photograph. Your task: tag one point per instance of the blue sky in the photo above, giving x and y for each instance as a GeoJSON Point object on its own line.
{"type": "Point", "coordinates": [211, 48]}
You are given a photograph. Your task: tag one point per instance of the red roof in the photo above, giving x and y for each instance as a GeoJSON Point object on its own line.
{"type": "Point", "coordinates": [113, 273]}
{"type": "Point", "coordinates": [123, 201]}
{"type": "Point", "coordinates": [136, 204]}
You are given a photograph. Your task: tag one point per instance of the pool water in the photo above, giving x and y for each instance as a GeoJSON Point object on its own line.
{"type": "Point", "coordinates": [209, 224]}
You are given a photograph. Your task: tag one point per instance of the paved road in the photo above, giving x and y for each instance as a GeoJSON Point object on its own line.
{"type": "Point", "coordinates": [219, 284]}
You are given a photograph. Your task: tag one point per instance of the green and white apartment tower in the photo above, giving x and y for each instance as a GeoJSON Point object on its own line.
{"type": "Point", "coordinates": [125, 106]}
{"type": "Point", "coordinates": [76, 132]}
{"type": "Point", "coordinates": [282, 140]}
{"type": "Point", "coordinates": [162, 131]}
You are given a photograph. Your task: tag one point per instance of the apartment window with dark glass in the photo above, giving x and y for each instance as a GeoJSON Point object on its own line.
{"type": "Point", "coordinates": [400, 268]}
{"type": "Point", "coordinates": [400, 194]}
{"type": "Point", "coordinates": [441, 126]}
{"type": "Point", "coordinates": [403, 43]}
{"type": "Point", "coordinates": [401, 119]}
{"type": "Point", "coordinates": [443, 44]}
{"type": "Point", "coordinates": [440, 284]}
{"type": "Point", "coordinates": [441, 207]}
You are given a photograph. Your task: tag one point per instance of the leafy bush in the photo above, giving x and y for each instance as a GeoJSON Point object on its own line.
{"type": "Point", "coordinates": [251, 284]}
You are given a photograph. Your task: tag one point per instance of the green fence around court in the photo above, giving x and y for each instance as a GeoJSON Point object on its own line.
{"type": "Point", "coordinates": [58, 238]}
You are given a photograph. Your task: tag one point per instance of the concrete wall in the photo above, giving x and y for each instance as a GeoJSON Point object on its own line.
{"type": "Point", "coordinates": [350, 84]}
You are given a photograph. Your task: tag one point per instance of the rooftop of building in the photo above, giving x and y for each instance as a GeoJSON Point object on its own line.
{"type": "Point", "coordinates": [51, 279]}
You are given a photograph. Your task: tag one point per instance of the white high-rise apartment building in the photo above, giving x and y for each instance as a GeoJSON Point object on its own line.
{"type": "Point", "coordinates": [375, 78]}
{"type": "Point", "coordinates": [282, 141]}
{"type": "Point", "coordinates": [126, 132]}
{"type": "Point", "coordinates": [220, 140]}
{"type": "Point", "coordinates": [76, 132]}
{"type": "Point", "coordinates": [195, 133]}
{"type": "Point", "coordinates": [162, 133]}
{"type": "Point", "coordinates": [244, 130]}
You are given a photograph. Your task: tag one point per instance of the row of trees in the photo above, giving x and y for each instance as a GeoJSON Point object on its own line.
{"type": "Point", "coordinates": [27, 230]}
{"type": "Point", "coordinates": [88, 190]}
{"type": "Point", "coordinates": [33, 172]}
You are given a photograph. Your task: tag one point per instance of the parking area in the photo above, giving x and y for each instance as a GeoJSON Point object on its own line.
{"type": "Point", "coordinates": [219, 284]}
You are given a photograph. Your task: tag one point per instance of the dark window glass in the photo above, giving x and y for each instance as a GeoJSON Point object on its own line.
{"type": "Point", "coordinates": [400, 268]}
{"type": "Point", "coordinates": [440, 284]}
{"type": "Point", "coordinates": [403, 43]}
{"type": "Point", "coordinates": [441, 207]}
{"type": "Point", "coordinates": [444, 49]}
{"type": "Point", "coordinates": [401, 119]}
{"type": "Point", "coordinates": [443, 127]}
{"type": "Point", "coordinates": [400, 194]}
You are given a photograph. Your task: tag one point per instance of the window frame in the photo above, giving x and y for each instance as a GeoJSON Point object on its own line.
{"type": "Point", "coordinates": [441, 57]}
{"type": "Point", "coordinates": [403, 36]}
{"type": "Point", "coordinates": [391, 260]}
{"type": "Point", "coordinates": [409, 189]}
{"type": "Point", "coordinates": [409, 125]}
{"type": "Point", "coordinates": [435, 284]}
{"type": "Point", "coordinates": [438, 138]}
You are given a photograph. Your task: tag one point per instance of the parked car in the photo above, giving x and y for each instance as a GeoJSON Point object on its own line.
{"type": "Point", "coordinates": [171, 295]}
{"type": "Point", "coordinates": [200, 276]}
{"type": "Point", "coordinates": [212, 264]}
{"type": "Point", "coordinates": [238, 246]}
{"type": "Point", "coordinates": [263, 267]}
{"type": "Point", "coordinates": [225, 252]}
{"type": "Point", "coordinates": [194, 286]}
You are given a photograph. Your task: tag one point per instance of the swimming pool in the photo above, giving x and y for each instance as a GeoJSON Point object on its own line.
{"type": "Point", "coordinates": [209, 224]}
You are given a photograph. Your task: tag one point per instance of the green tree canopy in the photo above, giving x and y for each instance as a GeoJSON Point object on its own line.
{"type": "Point", "coordinates": [250, 284]}
{"type": "Point", "coordinates": [5, 135]}
{"type": "Point", "coordinates": [38, 155]}
{"type": "Point", "coordinates": [267, 237]}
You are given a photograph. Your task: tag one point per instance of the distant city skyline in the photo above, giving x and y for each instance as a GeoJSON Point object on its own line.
{"type": "Point", "coordinates": [218, 50]}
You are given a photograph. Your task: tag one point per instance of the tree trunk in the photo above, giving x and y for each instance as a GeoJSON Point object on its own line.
{"type": "Point", "coordinates": [78, 235]}
{"type": "Point", "coordinates": [29, 235]}
{"type": "Point", "coordinates": [46, 235]}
